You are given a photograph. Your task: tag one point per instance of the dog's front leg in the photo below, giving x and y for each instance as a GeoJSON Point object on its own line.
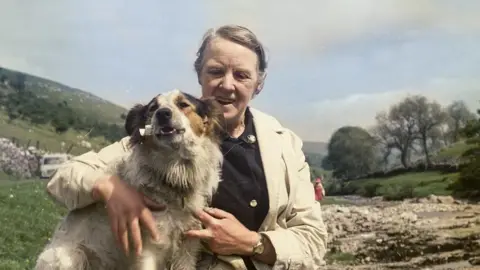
{"type": "Point", "coordinates": [187, 255]}
{"type": "Point", "coordinates": [150, 260]}
{"type": "Point", "coordinates": [154, 255]}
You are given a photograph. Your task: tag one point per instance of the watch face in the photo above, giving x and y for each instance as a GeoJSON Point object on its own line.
{"type": "Point", "coordinates": [259, 249]}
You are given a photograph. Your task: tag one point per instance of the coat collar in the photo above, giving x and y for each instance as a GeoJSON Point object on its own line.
{"type": "Point", "coordinates": [268, 131]}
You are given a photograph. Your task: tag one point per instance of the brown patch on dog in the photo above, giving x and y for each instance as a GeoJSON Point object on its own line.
{"type": "Point", "coordinates": [215, 121]}
{"type": "Point", "coordinates": [191, 112]}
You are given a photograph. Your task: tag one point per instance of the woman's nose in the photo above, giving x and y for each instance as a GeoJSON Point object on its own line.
{"type": "Point", "coordinates": [228, 82]}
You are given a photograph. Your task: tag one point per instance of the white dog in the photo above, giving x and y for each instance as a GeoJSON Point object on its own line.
{"type": "Point", "coordinates": [175, 159]}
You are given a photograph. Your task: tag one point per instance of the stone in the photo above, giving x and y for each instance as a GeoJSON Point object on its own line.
{"type": "Point", "coordinates": [414, 234]}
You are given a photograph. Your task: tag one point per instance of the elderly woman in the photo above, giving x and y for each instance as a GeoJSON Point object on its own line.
{"type": "Point", "coordinates": [264, 214]}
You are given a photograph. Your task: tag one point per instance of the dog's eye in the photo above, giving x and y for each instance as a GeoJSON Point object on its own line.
{"type": "Point", "coordinates": [183, 105]}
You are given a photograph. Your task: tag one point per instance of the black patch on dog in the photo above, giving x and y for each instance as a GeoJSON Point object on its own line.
{"type": "Point", "coordinates": [137, 118]}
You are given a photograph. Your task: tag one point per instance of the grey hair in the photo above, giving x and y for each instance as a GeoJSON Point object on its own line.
{"type": "Point", "coordinates": [238, 34]}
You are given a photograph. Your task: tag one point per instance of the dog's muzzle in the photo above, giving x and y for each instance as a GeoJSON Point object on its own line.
{"type": "Point", "coordinates": [163, 116]}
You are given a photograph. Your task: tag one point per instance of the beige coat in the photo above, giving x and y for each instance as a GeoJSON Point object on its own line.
{"type": "Point", "coordinates": [294, 222]}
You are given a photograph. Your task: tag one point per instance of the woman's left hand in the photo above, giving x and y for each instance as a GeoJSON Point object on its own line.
{"type": "Point", "coordinates": [224, 234]}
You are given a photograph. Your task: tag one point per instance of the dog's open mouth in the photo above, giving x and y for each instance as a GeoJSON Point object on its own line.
{"type": "Point", "coordinates": [168, 131]}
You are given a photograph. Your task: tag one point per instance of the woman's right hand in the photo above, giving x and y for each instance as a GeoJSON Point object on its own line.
{"type": "Point", "coordinates": [126, 207]}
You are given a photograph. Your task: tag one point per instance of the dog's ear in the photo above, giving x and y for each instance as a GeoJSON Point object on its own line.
{"type": "Point", "coordinates": [215, 118]}
{"type": "Point", "coordinates": [135, 120]}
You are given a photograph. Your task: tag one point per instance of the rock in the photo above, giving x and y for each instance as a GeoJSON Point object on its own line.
{"type": "Point", "coordinates": [17, 161]}
{"type": "Point", "coordinates": [414, 234]}
{"type": "Point", "coordinates": [474, 261]}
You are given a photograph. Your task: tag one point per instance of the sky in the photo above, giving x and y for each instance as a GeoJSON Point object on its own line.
{"type": "Point", "coordinates": [331, 62]}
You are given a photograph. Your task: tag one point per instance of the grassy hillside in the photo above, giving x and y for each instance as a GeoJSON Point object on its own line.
{"type": "Point", "coordinates": [35, 109]}
{"type": "Point", "coordinates": [451, 152]}
{"type": "Point", "coordinates": [81, 101]}
{"type": "Point", "coordinates": [49, 140]}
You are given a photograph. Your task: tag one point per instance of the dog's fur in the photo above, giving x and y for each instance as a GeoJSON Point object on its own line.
{"type": "Point", "coordinates": [181, 171]}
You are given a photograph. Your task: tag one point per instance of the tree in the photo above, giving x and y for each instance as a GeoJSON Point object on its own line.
{"type": "Point", "coordinates": [60, 123]}
{"type": "Point", "coordinates": [458, 115]}
{"type": "Point", "coordinates": [428, 117]}
{"type": "Point", "coordinates": [468, 182]}
{"type": "Point", "coordinates": [351, 152]}
{"type": "Point", "coordinates": [395, 130]}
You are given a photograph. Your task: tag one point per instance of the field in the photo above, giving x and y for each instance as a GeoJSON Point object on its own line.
{"type": "Point", "coordinates": [28, 217]}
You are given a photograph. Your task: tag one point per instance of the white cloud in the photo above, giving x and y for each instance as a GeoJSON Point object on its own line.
{"type": "Point", "coordinates": [360, 109]}
{"type": "Point", "coordinates": [313, 24]}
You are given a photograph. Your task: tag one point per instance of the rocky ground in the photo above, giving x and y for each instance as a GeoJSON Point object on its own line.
{"type": "Point", "coordinates": [437, 232]}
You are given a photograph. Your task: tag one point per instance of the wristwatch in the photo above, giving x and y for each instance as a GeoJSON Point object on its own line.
{"type": "Point", "coordinates": [259, 247]}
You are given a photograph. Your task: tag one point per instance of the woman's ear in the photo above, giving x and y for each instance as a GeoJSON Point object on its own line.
{"type": "Point", "coordinates": [260, 85]}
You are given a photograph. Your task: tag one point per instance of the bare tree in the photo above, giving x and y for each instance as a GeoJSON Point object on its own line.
{"type": "Point", "coordinates": [396, 130]}
{"type": "Point", "coordinates": [428, 116]}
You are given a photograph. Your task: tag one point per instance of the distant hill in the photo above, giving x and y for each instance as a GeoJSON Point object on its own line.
{"type": "Point", "coordinates": [35, 110]}
{"type": "Point", "coordinates": [315, 147]}
{"type": "Point", "coordinates": [79, 100]}
{"type": "Point", "coordinates": [315, 152]}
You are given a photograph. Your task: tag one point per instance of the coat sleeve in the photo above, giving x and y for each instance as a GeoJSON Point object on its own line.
{"type": "Point", "coordinates": [303, 243]}
{"type": "Point", "coordinates": [72, 183]}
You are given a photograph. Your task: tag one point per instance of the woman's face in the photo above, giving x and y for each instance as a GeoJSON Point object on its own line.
{"type": "Point", "coordinates": [229, 74]}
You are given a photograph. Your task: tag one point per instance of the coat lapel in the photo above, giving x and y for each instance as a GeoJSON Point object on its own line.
{"type": "Point", "coordinates": [270, 144]}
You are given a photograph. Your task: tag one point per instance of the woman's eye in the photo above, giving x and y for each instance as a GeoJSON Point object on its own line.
{"type": "Point", "coordinates": [242, 75]}
{"type": "Point", "coordinates": [215, 72]}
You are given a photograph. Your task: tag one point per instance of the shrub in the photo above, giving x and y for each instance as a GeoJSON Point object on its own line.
{"type": "Point", "coordinates": [370, 190]}
{"type": "Point", "coordinates": [397, 192]}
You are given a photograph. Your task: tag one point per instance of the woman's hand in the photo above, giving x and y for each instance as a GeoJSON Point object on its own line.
{"type": "Point", "coordinates": [126, 207]}
{"type": "Point", "coordinates": [224, 234]}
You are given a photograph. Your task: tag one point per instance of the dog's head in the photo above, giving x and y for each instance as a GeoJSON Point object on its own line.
{"type": "Point", "coordinates": [176, 118]}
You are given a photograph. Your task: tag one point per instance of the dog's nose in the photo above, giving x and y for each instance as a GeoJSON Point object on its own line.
{"type": "Point", "coordinates": [163, 115]}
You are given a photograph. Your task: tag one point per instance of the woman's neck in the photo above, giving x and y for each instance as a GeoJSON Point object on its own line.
{"type": "Point", "coordinates": [236, 127]}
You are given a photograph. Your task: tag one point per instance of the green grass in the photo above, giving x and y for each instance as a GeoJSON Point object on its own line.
{"type": "Point", "coordinates": [48, 138]}
{"type": "Point", "coordinates": [406, 185]}
{"type": "Point", "coordinates": [27, 217]}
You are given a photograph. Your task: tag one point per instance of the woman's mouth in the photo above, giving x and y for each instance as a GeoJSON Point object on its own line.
{"type": "Point", "coordinates": [225, 101]}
